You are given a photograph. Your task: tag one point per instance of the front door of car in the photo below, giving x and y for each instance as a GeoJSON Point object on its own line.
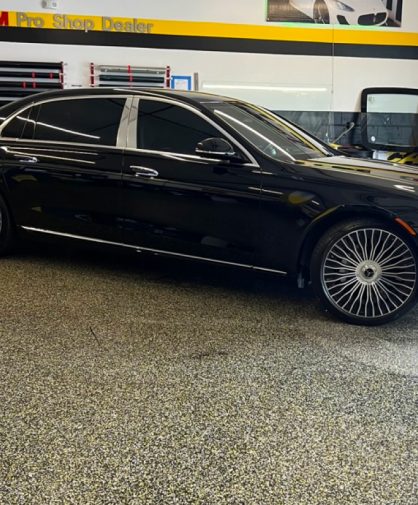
{"type": "Point", "coordinates": [64, 173]}
{"type": "Point", "coordinates": [182, 203]}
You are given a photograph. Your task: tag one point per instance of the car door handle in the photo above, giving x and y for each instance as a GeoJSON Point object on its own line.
{"type": "Point", "coordinates": [144, 171]}
{"type": "Point", "coordinates": [28, 159]}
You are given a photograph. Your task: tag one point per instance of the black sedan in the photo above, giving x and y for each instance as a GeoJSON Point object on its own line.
{"type": "Point", "coordinates": [210, 178]}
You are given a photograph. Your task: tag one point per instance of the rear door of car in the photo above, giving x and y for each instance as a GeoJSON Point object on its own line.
{"type": "Point", "coordinates": [180, 202]}
{"type": "Point", "coordinates": [62, 162]}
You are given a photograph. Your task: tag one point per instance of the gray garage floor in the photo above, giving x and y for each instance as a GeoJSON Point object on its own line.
{"type": "Point", "coordinates": [130, 380]}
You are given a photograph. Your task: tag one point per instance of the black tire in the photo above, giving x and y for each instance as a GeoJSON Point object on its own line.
{"type": "Point", "coordinates": [7, 235]}
{"type": "Point", "coordinates": [321, 13]}
{"type": "Point", "coordinates": [365, 272]}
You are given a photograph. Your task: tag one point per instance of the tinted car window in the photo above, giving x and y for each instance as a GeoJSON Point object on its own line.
{"type": "Point", "coordinates": [18, 126]}
{"type": "Point", "coordinates": [268, 133]}
{"type": "Point", "coordinates": [170, 128]}
{"type": "Point", "coordinates": [86, 121]}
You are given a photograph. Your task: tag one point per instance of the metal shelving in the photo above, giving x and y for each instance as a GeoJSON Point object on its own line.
{"type": "Point", "coordinates": [129, 76]}
{"type": "Point", "coordinates": [22, 78]}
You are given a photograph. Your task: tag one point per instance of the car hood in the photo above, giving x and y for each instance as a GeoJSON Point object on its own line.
{"type": "Point", "coordinates": [365, 5]}
{"type": "Point", "coordinates": [391, 172]}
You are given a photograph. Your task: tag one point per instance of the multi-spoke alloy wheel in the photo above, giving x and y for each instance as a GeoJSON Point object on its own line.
{"type": "Point", "coordinates": [366, 274]}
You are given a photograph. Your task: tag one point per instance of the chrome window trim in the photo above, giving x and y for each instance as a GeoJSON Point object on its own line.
{"type": "Point", "coordinates": [132, 142]}
{"type": "Point", "coordinates": [179, 156]}
{"type": "Point", "coordinates": [131, 137]}
{"type": "Point", "coordinates": [130, 127]}
{"type": "Point", "coordinates": [122, 135]}
{"type": "Point", "coordinates": [61, 99]}
{"type": "Point", "coordinates": [139, 248]}
{"type": "Point", "coordinates": [62, 143]}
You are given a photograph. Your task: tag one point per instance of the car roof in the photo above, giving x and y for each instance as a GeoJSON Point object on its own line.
{"type": "Point", "coordinates": [191, 97]}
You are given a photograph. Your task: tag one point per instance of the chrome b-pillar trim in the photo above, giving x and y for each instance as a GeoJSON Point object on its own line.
{"type": "Point", "coordinates": [122, 136]}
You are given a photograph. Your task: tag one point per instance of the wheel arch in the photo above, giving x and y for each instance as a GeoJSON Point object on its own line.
{"type": "Point", "coordinates": [338, 215]}
{"type": "Point", "coordinates": [3, 187]}
{"type": "Point", "coordinates": [5, 197]}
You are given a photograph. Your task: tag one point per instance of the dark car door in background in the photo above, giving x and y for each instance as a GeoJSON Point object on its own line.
{"type": "Point", "coordinates": [179, 202]}
{"type": "Point", "coordinates": [64, 172]}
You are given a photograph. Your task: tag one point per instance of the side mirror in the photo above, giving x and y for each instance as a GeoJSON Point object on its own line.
{"type": "Point", "coordinates": [218, 148]}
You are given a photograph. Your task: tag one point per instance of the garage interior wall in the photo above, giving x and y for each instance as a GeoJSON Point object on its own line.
{"type": "Point", "coordinates": [282, 82]}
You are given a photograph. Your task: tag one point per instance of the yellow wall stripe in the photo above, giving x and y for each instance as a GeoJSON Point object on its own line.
{"type": "Point", "coordinates": [273, 32]}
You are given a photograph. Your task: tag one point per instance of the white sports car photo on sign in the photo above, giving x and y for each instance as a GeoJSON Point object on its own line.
{"type": "Point", "coordinates": [347, 12]}
{"type": "Point", "coordinates": [336, 12]}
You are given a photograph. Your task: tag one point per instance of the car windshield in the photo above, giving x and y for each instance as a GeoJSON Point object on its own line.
{"type": "Point", "coordinates": [268, 133]}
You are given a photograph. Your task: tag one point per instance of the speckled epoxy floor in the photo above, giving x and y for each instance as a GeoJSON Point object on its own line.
{"type": "Point", "coordinates": [146, 381]}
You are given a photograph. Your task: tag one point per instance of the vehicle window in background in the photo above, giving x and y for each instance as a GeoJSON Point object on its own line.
{"type": "Point", "coordinates": [83, 121]}
{"type": "Point", "coordinates": [267, 133]}
{"type": "Point", "coordinates": [391, 119]}
{"type": "Point", "coordinates": [170, 128]}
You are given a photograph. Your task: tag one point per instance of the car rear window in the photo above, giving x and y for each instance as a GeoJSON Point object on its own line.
{"type": "Point", "coordinates": [82, 121]}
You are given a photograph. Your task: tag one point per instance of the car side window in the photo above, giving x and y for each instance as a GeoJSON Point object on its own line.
{"type": "Point", "coordinates": [20, 126]}
{"type": "Point", "coordinates": [165, 127]}
{"type": "Point", "coordinates": [82, 121]}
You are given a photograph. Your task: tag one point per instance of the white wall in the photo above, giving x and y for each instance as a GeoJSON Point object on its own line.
{"type": "Point", "coordinates": [322, 83]}
{"type": "Point", "coordinates": [228, 11]}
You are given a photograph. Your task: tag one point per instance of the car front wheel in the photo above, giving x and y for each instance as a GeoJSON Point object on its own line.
{"type": "Point", "coordinates": [365, 272]}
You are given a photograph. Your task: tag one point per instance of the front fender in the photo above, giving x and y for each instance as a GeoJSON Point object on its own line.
{"type": "Point", "coordinates": [332, 216]}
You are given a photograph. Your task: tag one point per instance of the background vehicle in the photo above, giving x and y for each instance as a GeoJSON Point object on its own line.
{"type": "Point", "coordinates": [390, 123]}
{"type": "Point", "coordinates": [214, 179]}
{"type": "Point", "coordinates": [347, 12]}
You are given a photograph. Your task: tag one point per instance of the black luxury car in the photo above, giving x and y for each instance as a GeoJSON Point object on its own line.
{"type": "Point", "coordinates": [211, 178]}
